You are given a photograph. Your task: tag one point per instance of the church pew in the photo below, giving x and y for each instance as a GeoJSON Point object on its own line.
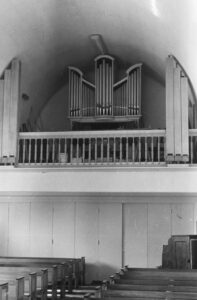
{"type": "Point", "coordinates": [71, 276]}
{"type": "Point", "coordinates": [77, 264]}
{"type": "Point", "coordinates": [46, 278]}
{"type": "Point", "coordinates": [153, 283]}
{"type": "Point", "coordinates": [135, 273]}
{"type": "Point", "coordinates": [16, 289]}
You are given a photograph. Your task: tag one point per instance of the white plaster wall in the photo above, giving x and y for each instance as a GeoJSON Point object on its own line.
{"type": "Point", "coordinates": [176, 179]}
{"type": "Point", "coordinates": [153, 103]}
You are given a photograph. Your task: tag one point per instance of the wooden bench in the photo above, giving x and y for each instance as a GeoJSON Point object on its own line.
{"type": "Point", "coordinates": [62, 278]}
{"type": "Point", "coordinates": [137, 283]}
{"type": "Point", "coordinates": [33, 284]}
{"type": "Point", "coordinates": [76, 264]}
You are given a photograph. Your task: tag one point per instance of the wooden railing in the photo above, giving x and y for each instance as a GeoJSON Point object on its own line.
{"type": "Point", "coordinates": [193, 146]}
{"type": "Point", "coordinates": [92, 148]}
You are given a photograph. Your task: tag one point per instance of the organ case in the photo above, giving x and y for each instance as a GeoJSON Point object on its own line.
{"type": "Point", "coordinates": [105, 100]}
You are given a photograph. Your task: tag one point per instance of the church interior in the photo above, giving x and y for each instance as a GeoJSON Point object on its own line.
{"type": "Point", "coordinates": [98, 142]}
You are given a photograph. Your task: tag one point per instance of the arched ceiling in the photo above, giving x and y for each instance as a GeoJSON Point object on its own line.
{"type": "Point", "coordinates": [48, 35]}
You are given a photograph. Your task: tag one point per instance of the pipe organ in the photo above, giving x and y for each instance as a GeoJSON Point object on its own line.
{"type": "Point", "coordinates": [104, 85]}
{"type": "Point", "coordinates": [105, 100]}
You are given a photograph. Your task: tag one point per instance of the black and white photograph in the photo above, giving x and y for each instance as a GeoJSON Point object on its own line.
{"type": "Point", "coordinates": [98, 149]}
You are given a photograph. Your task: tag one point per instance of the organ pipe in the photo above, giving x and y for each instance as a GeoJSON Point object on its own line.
{"type": "Point", "coordinates": [105, 98]}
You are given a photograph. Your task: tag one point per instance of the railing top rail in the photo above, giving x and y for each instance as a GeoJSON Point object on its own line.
{"type": "Point", "coordinates": [93, 134]}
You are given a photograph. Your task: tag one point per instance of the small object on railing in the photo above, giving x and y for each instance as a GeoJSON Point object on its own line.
{"type": "Point", "coordinates": [4, 160]}
{"type": "Point", "coordinates": [63, 158]}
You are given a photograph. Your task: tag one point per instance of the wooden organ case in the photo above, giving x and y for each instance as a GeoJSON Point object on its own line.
{"type": "Point", "coordinates": [105, 101]}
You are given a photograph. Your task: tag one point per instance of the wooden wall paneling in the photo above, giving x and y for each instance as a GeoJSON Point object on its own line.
{"type": "Point", "coordinates": [6, 113]}
{"type": "Point", "coordinates": [135, 234]}
{"type": "Point", "coordinates": [19, 226]}
{"type": "Point", "coordinates": [63, 229]}
{"type": "Point", "coordinates": [4, 229]}
{"type": "Point", "coordinates": [159, 231]}
{"type": "Point", "coordinates": [41, 229]}
{"type": "Point", "coordinates": [14, 103]}
{"type": "Point", "coordinates": [177, 113]}
{"type": "Point", "coordinates": [182, 219]}
{"type": "Point", "coordinates": [184, 117]}
{"type": "Point", "coordinates": [86, 237]}
{"type": "Point", "coordinates": [170, 108]}
{"type": "Point", "coordinates": [110, 238]}
{"type": "Point", "coordinates": [1, 114]}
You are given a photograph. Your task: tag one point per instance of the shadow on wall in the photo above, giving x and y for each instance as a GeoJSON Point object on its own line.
{"type": "Point", "coordinates": [98, 272]}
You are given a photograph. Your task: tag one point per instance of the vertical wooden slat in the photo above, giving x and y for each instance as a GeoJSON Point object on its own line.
{"type": "Point", "coordinates": [108, 145]}
{"type": "Point", "coordinates": [53, 150]}
{"type": "Point", "coordinates": [95, 150]}
{"type": "Point", "coordinates": [133, 149]}
{"type": "Point", "coordinates": [191, 149]}
{"type": "Point", "coordinates": [170, 150]}
{"type": "Point", "coordinates": [146, 149]}
{"type": "Point", "coordinates": [177, 115]}
{"type": "Point", "coordinates": [41, 150]}
{"type": "Point", "coordinates": [127, 149]}
{"type": "Point", "coordinates": [89, 150]}
{"type": "Point", "coordinates": [158, 148]}
{"type": "Point", "coordinates": [23, 146]}
{"type": "Point", "coordinates": [71, 150]}
{"type": "Point", "coordinates": [28, 150]}
{"type": "Point", "coordinates": [114, 149]}
{"type": "Point", "coordinates": [1, 114]}
{"type": "Point", "coordinates": [47, 151]}
{"type": "Point", "coordinates": [140, 150]}
{"type": "Point", "coordinates": [152, 148]}
{"type": "Point", "coordinates": [83, 151]}
{"type": "Point", "coordinates": [101, 149]}
{"type": "Point", "coordinates": [14, 103]}
{"type": "Point", "coordinates": [77, 149]}
{"type": "Point", "coordinates": [6, 113]}
{"type": "Point", "coordinates": [184, 118]}
{"type": "Point", "coordinates": [121, 149]}
{"type": "Point", "coordinates": [35, 151]}
{"type": "Point", "coordinates": [65, 149]}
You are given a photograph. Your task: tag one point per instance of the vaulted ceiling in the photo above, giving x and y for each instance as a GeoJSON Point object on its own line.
{"type": "Point", "coordinates": [49, 35]}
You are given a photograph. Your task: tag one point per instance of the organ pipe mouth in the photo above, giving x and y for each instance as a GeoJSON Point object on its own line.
{"type": "Point", "coordinates": [98, 42]}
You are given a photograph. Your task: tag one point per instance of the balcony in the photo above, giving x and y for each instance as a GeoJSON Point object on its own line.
{"type": "Point", "coordinates": [92, 148]}
{"type": "Point", "coordinates": [126, 148]}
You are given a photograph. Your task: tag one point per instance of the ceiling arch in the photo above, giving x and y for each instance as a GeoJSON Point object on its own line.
{"type": "Point", "coordinates": [48, 35]}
